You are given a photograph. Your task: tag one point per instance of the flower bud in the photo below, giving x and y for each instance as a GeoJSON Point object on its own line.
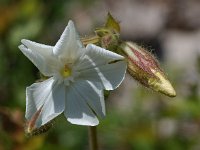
{"type": "Point", "coordinates": [32, 130]}
{"type": "Point", "coordinates": [144, 68]}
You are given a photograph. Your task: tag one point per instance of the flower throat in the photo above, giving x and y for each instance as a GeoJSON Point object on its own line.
{"type": "Point", "coordinates": [66, 71]}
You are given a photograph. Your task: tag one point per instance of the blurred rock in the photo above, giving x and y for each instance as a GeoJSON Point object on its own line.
{"type": "Point", "coordinates": [181, 48]}
{"type": "Point", "coordinates": [167, 127]}
{"type": "Point", "coordinates": [184, 14]}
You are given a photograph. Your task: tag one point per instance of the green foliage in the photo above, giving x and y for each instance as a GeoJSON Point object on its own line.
{"type": "Point", "coordinates": [151, 122]}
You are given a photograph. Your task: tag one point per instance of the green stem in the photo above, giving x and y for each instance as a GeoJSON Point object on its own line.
{"type": "Point", "coordinates": [93, 137]}
{"type": "Point", "coordinates": [90, 40]}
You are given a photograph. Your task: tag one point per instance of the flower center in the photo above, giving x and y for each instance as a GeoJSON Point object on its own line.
{"type": "Point", "coordinates": [66, 71]}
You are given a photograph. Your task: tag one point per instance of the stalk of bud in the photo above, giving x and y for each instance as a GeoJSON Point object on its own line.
{"type": "Point", "coordinates": [144, 68]}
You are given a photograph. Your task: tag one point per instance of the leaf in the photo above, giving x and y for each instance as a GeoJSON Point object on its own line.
{"type": "Point", "coordinates": [112, 23]}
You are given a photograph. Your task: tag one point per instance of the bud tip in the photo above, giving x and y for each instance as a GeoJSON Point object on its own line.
{"type": "Point", "coordinates": [163, 86]}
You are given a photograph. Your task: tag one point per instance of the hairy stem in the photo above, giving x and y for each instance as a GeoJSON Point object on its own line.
{"type": "Point", "coordinates": [90, 40]}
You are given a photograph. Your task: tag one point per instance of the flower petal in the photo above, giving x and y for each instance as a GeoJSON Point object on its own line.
{"type": "Point", "coordinates": [96, 56]}
{"type": "Point", "coordinates": [92, 94]}
{"type": "Point", "coordinates": [54, 105]}
{"type": "Point", "coordinates": [47, 95]}
{"type": "Point", "coordinates": [36, 94]}
{"type": "Point", "coordinates": [69, 46]}
{"type": "Point", "coordinates": [100, 65]}
{"type": "Point", "coordinates": [40, 55]}
{"type": "Point", "coordinates": [77, 110]}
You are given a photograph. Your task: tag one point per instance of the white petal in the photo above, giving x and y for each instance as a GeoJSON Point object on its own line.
{"type": "Point", "coordinates": [92, 93]}
{"type": "Point", "coordinates": [96, 56]}
{"type": "Point", "coordinates": [36, 94]}
{"type": "Point", "coordinates": [77, 110]}
{"type": "Point", "coordinates": [54, 105]}
{"type": "Point", "coordinates": [46, 94]}
{"type": "Point", "coordinates": [100, 65]}
{"type": "Point", "coordinates": [69, 46]}
{"type": "Point", "coordinates": [40, 55]}
{"type": "Point", "coordinates": [110, 75]}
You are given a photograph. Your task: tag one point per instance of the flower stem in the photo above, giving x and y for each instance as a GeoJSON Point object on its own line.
{"type": "Point", "coordinates": [93, 137]}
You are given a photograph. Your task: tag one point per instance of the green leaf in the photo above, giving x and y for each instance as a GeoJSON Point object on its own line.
{"type": "Point", "coordinates": [112, 23]}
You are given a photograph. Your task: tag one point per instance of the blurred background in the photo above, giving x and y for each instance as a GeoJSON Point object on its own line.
{"type": "Point", "coordinates": [137, 118]}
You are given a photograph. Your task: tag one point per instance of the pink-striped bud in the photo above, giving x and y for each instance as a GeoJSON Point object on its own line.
{"type": "Point", "coordinates": [144, 68]}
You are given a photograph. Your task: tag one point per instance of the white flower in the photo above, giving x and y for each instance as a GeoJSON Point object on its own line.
{"type": "Point", "coordinates": [77, 77]}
